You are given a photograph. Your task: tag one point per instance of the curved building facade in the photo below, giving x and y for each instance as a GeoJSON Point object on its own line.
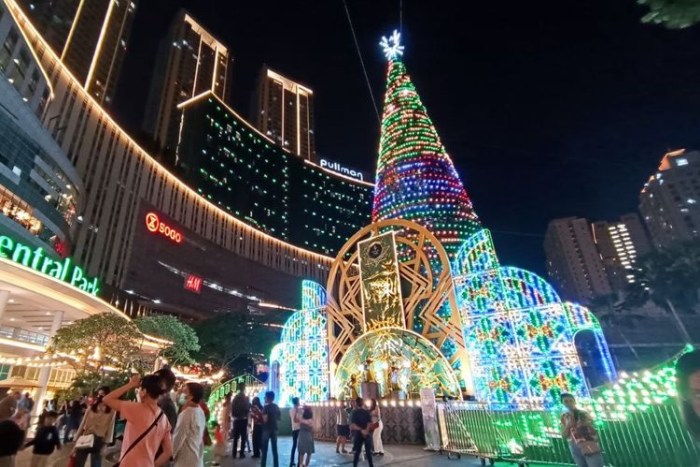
{"type": "Point", "coordinates": [122, 180]}
{"type": "Point", "coordinates": [39, 187]}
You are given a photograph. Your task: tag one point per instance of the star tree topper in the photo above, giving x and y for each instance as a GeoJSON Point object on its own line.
{"type": "Point", "coordinates": [392, 45]}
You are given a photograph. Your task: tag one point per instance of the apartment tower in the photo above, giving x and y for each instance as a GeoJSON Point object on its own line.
{"type": "Point", "coordinates": [190, 62]}
{"type": "Point", "coordinates": [283, 110]}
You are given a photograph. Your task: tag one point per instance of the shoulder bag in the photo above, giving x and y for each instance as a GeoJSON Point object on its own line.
{"type": "Point", "coordinates": [139, 439]}
{"type": "Point", "coordinates": [85, 442]}
{"type": "Point", "coordinates": [587, 447]}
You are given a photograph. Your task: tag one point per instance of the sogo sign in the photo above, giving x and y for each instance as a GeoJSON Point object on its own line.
{"type": "Point", "coordinates": [156, 226]}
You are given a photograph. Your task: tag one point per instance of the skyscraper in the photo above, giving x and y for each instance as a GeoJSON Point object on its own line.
{"type": "Point", "coordinates": [573, 261]}
{"type": "Point", "coordinates": [669, 201]}
{"type": "Point", "coordinates": [89, 36]}
{"type": "Point", "coordinates": [620, 244]}
{"type": "Point", "coordinates": [283, 110]}
{"type": "Point", "coordinates": [190, 61]}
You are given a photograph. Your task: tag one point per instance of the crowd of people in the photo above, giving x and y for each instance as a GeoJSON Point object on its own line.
{"type": "Point", "coordinates": [357, 423]}
{"type": "Point", "coordinates": [168, 426]}
{"type": "Point", "coordinates": [165, 425]}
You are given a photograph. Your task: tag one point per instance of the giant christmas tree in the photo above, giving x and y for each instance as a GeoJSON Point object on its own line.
{"type": "Point", "coordinates": [416, 179]}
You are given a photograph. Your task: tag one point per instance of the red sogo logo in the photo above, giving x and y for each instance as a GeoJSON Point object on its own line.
{"type": "Point", "coordinates": [155, 225]}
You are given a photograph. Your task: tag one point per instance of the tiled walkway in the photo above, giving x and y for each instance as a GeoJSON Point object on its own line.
{"type": "Point", "coordinates": [325, 456]}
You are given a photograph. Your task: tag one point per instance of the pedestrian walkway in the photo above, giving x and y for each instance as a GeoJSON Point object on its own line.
{"type": "Point", "coordinates": [325, 456]}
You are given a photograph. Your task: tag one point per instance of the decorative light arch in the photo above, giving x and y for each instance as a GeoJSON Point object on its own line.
{"type": "Point", "coordinates": [300, 360]}
{"type": "Point", "coordinates": [519, 334]}
{"type": "Point", "coordinates": [429, 304]}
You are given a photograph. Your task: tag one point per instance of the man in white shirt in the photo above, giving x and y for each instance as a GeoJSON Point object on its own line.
{"type": "Point", "coordinates": [295, 428]}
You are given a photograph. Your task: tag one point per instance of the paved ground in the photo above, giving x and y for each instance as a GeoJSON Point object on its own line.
{"type": "Point", "coordinates": [404, 456]}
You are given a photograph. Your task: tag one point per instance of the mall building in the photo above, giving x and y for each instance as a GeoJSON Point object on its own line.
{"type": "Point", "coordinates": [235, 223]}
{"type": "Point", "coordinates": [42, 287]}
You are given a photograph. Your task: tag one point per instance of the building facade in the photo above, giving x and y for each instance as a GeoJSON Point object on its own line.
{"type": "Point", "coordinates": [39, 187]}
{"type": "Point", "coordinates": [283, 111]}
{"type": "Point", "coordinates": [245, 173]}
{"type": "Point", "coordinates": [121, 177]}
{"type": "Point", "coordinates": [190, 61]}
{"type": "Point", "coordinates": [669, 201]}
{"type": "Point", "coordinates": [620, 244]}
{"type": "Point", "coordinates": [573, 261]}
{"type": "Point", "coordinates": [89, 36]}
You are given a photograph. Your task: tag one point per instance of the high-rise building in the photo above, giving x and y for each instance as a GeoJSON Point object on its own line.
{"type": "Point", "coordinates": [89, 36]}
{"type": "Point", "coordinates": [573, 261]}
{"type": "Point", "coordinates": [190, 61]}
{"type": "Point", "coordinates": [669, 201]}
{"type": "Point", "coordinates": [246, 174]}
{"type": "Point", "coordinates": [620, 244]}
{"type": "Point", "coordinates": [283, 111]}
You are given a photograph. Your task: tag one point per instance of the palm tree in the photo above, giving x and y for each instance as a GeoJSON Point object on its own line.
{"type": "Point", "coordinates": [674, 14]}
{"type": "Point", "coordinates": [670, 278]}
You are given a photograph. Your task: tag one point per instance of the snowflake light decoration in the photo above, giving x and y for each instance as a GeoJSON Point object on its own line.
{"type": "Point", "coordinates": [392, 45]}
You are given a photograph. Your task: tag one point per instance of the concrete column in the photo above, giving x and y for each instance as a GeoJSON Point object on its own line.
{"type": "Point", "coordinates": [45, 371]}
{"type": "Point", "coordinates": [4, 298]}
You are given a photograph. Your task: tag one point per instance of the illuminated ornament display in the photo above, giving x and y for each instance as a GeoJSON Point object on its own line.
{"type": "Point", "coordinates": [300, 361]}
{"type": "Point", "coordinates": [519, 334]}
{"type": "Point", "coordinates": [416, 179]}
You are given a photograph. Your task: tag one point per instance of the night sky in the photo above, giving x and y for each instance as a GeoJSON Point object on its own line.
{"type": "Point", "coordinates": [548, 108]}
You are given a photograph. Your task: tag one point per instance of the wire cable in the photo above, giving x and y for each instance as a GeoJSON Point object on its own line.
{"type": "Point", "coordinates": [362, 62]}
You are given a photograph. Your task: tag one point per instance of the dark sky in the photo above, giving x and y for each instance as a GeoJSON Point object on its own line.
{"type": "Point", "coordinates": [548, 108]}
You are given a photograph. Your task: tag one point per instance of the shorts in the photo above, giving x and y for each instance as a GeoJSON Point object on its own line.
{"type": "Point", "coordinates": [343, 430]}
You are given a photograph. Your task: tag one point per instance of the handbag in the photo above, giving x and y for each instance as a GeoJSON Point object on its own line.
{"type": "Point", "coordinates": [85, 442]}
{"type": "Point", "coordinates": [587, 447]}
{"type": "Point", "coordinates": [139, 439]}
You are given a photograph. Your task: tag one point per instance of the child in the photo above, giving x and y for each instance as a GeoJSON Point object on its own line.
{"type": "Point", "coordinates": [45, 440]}
{"type": "Point", "coordinates": [219, 444]}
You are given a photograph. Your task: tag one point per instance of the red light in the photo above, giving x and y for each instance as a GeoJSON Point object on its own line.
{"type": "Point", "coordinates": [155, 225]}
{"type": "Point", "coordinates": [193, 283]}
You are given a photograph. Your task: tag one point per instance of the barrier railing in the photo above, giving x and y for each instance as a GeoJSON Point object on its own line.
{"type": "Point", "coordinates": [24, 335]}
{"type": "Point", "coordinates": [650, 438]}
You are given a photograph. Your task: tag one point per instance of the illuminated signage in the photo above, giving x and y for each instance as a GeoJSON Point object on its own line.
{"type": "Point", "coordinates": [35, 259]}
{"type": "Point", "coordinates": [336, 167]}
{"type": "Point", "coordinates": [193, 283]}
{"type": "Point", "coordinates": [157, 226]}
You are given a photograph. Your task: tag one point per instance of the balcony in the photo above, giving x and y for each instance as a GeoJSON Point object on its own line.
{"type": "Point", "coordinates": [24, 335]}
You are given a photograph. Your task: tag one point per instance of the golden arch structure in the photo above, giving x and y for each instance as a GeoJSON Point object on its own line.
{"type": "Point", "coordinates": [428, 308]}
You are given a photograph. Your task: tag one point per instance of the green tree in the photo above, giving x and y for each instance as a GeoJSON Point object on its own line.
{"type": "Point", "coordinates": [674, 14]}
{"type": "Point", "coordinates": [670, 278]}
{"type": "Point", "coordinates": [229, 337]}
{"type": "Point", "coordinates": [97, 343]}
{"type": "Point", "coordinates": [184, 339]}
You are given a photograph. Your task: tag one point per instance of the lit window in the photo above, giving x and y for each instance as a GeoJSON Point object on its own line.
{"type": "Point", "coordinates": [681, 161]}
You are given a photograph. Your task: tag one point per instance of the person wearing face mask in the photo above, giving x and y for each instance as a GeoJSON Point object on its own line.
{"type": "Point", "coordinates": [188, 438]}
{"type": "Point", "coordinates": [147, 428]}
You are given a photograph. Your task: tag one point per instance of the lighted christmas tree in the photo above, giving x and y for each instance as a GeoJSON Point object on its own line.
{"type": "Point", "coordinates": [416, 179]}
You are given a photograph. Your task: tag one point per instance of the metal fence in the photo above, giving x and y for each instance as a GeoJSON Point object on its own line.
{"type": "Point", "coordinates": [652, 438]}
